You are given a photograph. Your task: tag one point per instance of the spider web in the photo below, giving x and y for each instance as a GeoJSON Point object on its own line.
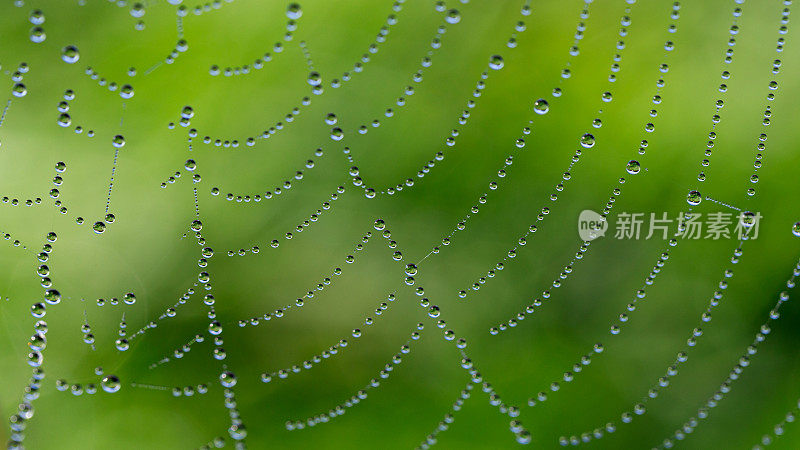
{"type": "Point", "coordinates": [360, 232]}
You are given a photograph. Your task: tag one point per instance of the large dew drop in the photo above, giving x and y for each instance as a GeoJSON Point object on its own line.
{"type": "Point", "coordinates": [694, 198]}
{"type": "Point", "coordinates": [496, 62]}
{"type": "Point", "coordinates": [99, 227]}
{"type": "Point", "coordinates": [118, 141]}
{"type": "Point", "coordinates": [19, 90]}
{"type": "Point", "coordinates": [64, 120]}
{"type": "Point", "coordinates": [314, 79]}
{"type": "Point", "coordinates": [453, 16]}
{"type": "Point", "coordinates": [122, 344]}
{"type": "Point", "coordinates": [70, 54]}
{"type": "Point", "coordinates": [227, 379]}
{"type": "Point", "coordinates": [587, 140]}
{"type": "Point", "coordinates": [52, 296]}
{"type": "Point", "coordinates": [111, 383]}
{"type": "Point", "coordinates": [541, 106]}
{"type": "Point", "coordinates": [38, 35]}
{"type": "Point", "coordinates": [126, 91]}
{"type": "Point", "coordinates": [294, 11]}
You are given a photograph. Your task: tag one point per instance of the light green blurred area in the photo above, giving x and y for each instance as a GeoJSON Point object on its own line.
{"type": "Point", "coordinates": [143, 251]}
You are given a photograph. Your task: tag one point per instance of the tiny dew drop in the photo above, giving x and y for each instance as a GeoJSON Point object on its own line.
{"type": "Point", "coordinates": [99, 227]}
{"type": "Point", "coordinates": [796, 229]}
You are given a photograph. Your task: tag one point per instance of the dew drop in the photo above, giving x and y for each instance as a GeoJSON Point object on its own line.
{"type": "Point", "coordinates": [694, 198]}
{"type": "Point", "coordinates": [227, 379]}
{"type": "Point", "coordinates": [122, 344]}
{"type": "Point", "coordinates": [52, 297]}
{"type": "Point", "coordinates": [70, 54]}
{"type": "Point", "coordinates": [314, 79]}
{"type": "Point", "coordinates": [36, 17]}
{"type": "Point", "coordinates": [453, 16]}
{"type": "Point", "coordinates": [38, 35]}
{"type": "Point", "coordinates": [541, 106]}
{"type": "Point", "coordinates": [19, 90]}
{"type": "Point", "coordinates": [118, 141]}
{"type": "Point", "coordinates": [64, 120]}
{"type": "Point", "coordinates": [99, 227]}
{"type": "Point", "coordinates": [38, 310]}
{"type": "Point", "coordinates": [747, 219]}
{"type": "Point", "coordinates": [496, 63]}
{"type": "Point", "coordinates": [187, 112]}
{"type": "Point", "coordinates": [294, 11]}
{"type": "Point", "coordinates": [587, 140]}
{"type": "Point", "coordinates": [111, 383]}
{"type": "Point", "coordinates": [126, 91]}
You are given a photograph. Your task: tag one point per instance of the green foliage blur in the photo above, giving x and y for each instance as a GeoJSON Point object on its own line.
{"type": "Point", "coordinates": [143, 250]}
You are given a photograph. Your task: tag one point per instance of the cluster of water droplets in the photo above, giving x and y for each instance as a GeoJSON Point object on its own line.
{"type": "Point", "coordinates": [586, 141]}
{"type": "Point", "coordinates": [293, 12]}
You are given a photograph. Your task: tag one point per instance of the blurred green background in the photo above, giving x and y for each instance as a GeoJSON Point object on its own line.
{"type": "Point", "coordinates": [143, 252]}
